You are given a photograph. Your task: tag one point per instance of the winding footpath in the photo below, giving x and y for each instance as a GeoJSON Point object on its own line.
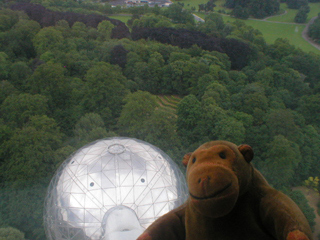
{"type": "Point", "coordinates": [305, 33]}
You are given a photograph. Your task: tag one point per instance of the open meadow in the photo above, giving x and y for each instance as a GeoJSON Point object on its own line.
{"type": "Point", "coordinates": [278, 26]}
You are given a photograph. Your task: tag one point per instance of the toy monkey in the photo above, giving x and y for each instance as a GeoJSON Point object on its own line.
{"type": "Point", "coordinates": [229, 200]}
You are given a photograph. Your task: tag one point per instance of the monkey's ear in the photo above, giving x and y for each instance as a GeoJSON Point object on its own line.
{"type": "Point", "coordinates": [186, 158]}
{"type": "Point", "coordinates": [247, 152]}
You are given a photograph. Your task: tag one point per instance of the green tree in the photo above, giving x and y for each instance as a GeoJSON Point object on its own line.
{"type": "Point", "coordinates": [189, 113]}
{"type": "Point", "coordinates": [219, 93]}
{"type": "Point", "coordinates": [47, 39]}
{"type": "Point", "coordinates": [6, 90]}
{"type": "Point", "coordinates": [30, 151]}
{"type": "Point", "coordinates": [18, 74]}
{"type": "Point", "coordinates": [105, 30]}
{"type": "Point", "coordinates": [10, 233]}
{"type": "Point", "coordinates": [177, 14]}
{"type": "Point", "coordinates": [310, 163]}
{"type": "Point", "coordinates": [308, 106]}
{"type": "Point", "coordinates": [314, 30]}
{"type": "Point", "coordinates": [89, 128]}
{"type": "Point", "coordinates": [20, 39]}
{"type": "Point", "coordinates": [281, 160]}
{"type": "Point", "coordinates": [8, 18]}
{"type": "Point", "coordinates": [302, 14]}
{"type": "Point", "coordinates": [240, 12]}
{"type": "Point", "coordinates": [138, 109]}
{"type": "Point", "coordinates": [49, 80]}
{"type": "Point", "coordinates": [17, 109]}
{"type": "Point", "coordinates": [282, 122]}
{"type": "Point", "coordinates": [4, 64]}
{"type": "Point", "coordinates": [160, 130]}
{"type": "Point", "coordinates": [152, 21]}
{"type": "Point", "coordinates": [105, 91]}
{"type": "Point", "coordinates": [230, 129]}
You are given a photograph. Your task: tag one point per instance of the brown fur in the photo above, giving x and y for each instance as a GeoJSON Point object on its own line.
{"type": "Point", "coordinates": [228, 200]}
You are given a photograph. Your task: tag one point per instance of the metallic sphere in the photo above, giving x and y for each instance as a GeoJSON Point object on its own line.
{"type": "Point", "coordinates": [112, 189]}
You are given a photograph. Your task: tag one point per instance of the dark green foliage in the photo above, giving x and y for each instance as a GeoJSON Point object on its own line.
{"type": "Point", "coordinates": [178, 14]}
{"type": "Point", "coordinates": [296, 4]}
{"type": "Point", "coordinates": [240, 12]}
{"type": "Point", "coordinates": [256, 8]}
{"type": "Point", "coordinates": [302, 14]}
{"type": "Point", "coordinates": [207, 7]}
{"type": "Point", "coordinates": [314, 30]}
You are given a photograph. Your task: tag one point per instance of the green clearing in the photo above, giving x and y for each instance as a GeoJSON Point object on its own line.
{"type": "Point", "coordinates": [287, 17]}
{"type": "Point", "coordinates": [122, 18]}
{"type": "Point", "coordinates": [291, 13]}
{"type": "Point", "coordinates": [271, 31]}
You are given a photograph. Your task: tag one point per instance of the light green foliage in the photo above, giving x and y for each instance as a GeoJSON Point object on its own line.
{"type": "Point", "coordinates": [7, 19]}
{"type": "Point", "coordinates": [312, 183]}
{"type": "Point", "coordinates": [160, 130]}
{"type": "Point", "coordinates": [47, 39]}
{"type": "Point", "coordinates": [105, 90]}
{"type": "Point", "coordinates": [89, 128]}
{"type": "Point", "coordinates": [30, 151]}
{"type": "Point", "coordinates": [138, 109]}
{"type": "Point", "coordinates": [49, 80]}
{"type": "Point", "coordinates": [20, 38]}
{"type": "Point", "coordinates": [231, 130]}
{"type": "Point", "coordinates": [177, 14]}
{"type": "Point", "coordinates": [79, 29]}
{"type": "Point", "coordinates": [105, 30]}
{"type": "Point", "coordinates": [151, 21]}
{"type": "Point", "coordinates": [282, 122]}
{"type": "Point", "coordinates": [17, 109]}
{"type": "Point", "coordinates": [18, 74]}
{"type": "Point", "coordinates": [219, 93]}
{"type": "Point", "coordinates": [189, 115]}
{"type": "Point", "coordinates": [282, 158]}
{"type": "Point", "coordinates": [9, 233]}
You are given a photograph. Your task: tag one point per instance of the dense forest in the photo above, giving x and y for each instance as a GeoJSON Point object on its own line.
{"type": "Point", "coordinates": [69, 78]}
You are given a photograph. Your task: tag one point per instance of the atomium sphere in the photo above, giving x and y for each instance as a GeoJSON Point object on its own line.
{"type": "Point", "coordinates": [112, 189]}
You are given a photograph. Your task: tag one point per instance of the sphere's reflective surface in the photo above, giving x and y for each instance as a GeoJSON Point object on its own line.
{"type": "Point", "coordinates": [108, 178]}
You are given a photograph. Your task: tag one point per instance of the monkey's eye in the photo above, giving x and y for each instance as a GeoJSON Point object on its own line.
{"type": "Point", "coordinates": [222, 155]}
{"type": "Point", "coordinates": [194, 160]}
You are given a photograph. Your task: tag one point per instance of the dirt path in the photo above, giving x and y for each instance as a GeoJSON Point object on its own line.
{"type": "Point", "coordinates": [313, 199]}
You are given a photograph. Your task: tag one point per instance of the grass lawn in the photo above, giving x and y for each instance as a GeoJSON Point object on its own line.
{"type": "Point", "coordinates": [122, 18]}
{"type": "Point", "coordinates": [291, 13]}
{"type": "Point", "coordinates": [272, 31]}
{"type": "Point", "coordinates": [288, 17]}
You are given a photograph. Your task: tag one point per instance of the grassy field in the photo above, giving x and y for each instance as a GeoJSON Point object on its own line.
{"type": "Point", "coordinates": [272, 30]}
{"type": "Point", "coordinates": [291, 13]}
{"type": "Point", "coordinates": [122, 18]}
